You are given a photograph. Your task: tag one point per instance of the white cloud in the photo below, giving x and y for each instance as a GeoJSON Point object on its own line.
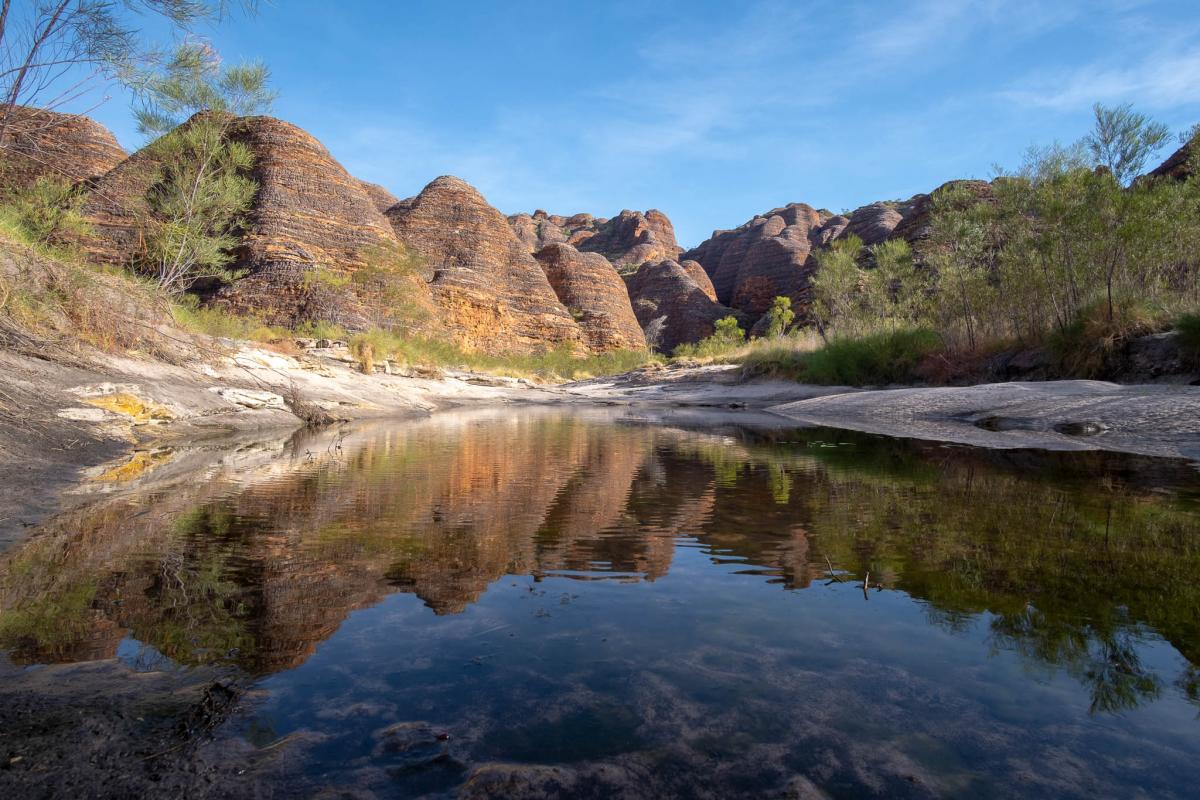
{"type": "Point", "coordinates": [1162, 81]}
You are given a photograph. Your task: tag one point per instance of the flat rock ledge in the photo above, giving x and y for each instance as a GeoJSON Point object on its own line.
{"type": "Point", "coordinates": [1155, 420]}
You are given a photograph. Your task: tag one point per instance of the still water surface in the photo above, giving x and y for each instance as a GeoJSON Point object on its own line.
{"type": "Point", "coordinates": [551, 603]}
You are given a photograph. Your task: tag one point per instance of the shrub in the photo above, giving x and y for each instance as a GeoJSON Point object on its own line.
{"type": "Point", "coordinates": [203, 189]}
{"type": "Point", "coordinates": [727, 336]}
{"type": "Point", "coordinates": [1188, 328]}
{"type": "Point", "coordinates": [43, 214]}
{"type": "Point", "coordinates": [880, 358]}
{"type": "Point", "coordinates": [190, 315]}
{"type": "Point", "coordinates": [781, 316]}
{"type": "Point", "coordinates": [323, 330]}
{"type": "Point", "coordinates": [1087, 347]}
{"type": "Point", "coordinates": [876, 359]}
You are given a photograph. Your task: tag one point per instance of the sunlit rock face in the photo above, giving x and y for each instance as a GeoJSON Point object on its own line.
{"type": "Point", "coordinates": [380, 197]}
{"type": "Point", "coordinates": [628, 240]}
{"type": "Point", "coordinates": [672, 306]}
{"type": "Point", "coordinates": [590, 288]}
{"type": "Point", "coordinates": [46, 144]}
{"type": "Point", "coordinates": [490, 292]}
{"type": "Point", "coordinates": [313, 226]}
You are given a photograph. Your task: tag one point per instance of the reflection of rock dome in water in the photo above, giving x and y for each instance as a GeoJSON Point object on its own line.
{"type": "Point", "coordinates": [260, 569]}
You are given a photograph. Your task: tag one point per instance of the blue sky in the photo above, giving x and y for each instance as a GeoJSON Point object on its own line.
{"type": "Point", "coordinates": [709, 111]}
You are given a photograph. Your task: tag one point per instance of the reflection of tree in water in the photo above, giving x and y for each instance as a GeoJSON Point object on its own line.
{"type": "Point", "coordinates": [200, 608]}
{"type": "Point", "coordinates": [1075, 564]}
{"type": "Point", "coordinates": [1102, 655]}
{"type": "Point", "coordinates": [1189, 683]}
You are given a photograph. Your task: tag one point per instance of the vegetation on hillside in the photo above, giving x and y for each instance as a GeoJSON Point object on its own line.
{"type": "Point", "coordinates": [53, 305]}
{"type": "Point", "coordinates": [1071, 256]}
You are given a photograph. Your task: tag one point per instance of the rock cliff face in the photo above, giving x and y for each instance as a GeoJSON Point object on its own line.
{"type": "Point", "coordinates": [1178, 165]}
{"type": "Point", "coordinates": [627, 240]}
{"type": "Point", "coordinates": [696, 272]}
{"type": "Point", "coordinates": [874, 223]}
{"type": "Point", "coordinates": [380, 197]}
{"type": "Point", "coordinates": [491, 292]}
{"type": "Point", "coordinates": [767, 257]}
{"type": "Point", "coordinates": [590, 288]}
{"type": "Point", "coordinates": [632, 238]}
{"type": "Point", "coordinates": [773, 254]}
{"type": "Point", "coordinates": [671, 306]}
{"type": "Point", "coordinates": [115, 207]}
{"type": "Point", "coordinates": [42, 143]}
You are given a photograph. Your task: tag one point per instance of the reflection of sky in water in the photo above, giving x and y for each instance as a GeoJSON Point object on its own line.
{"type": "Point", "coordinates": [684, 636]}
{"type": "Point", "coordinates": [704, 676]}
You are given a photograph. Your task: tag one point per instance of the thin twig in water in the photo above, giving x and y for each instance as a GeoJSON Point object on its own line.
{"type": "Point", "coordinates": [835, 577]}
{"type": "Point", "coordinates": [491, 630]}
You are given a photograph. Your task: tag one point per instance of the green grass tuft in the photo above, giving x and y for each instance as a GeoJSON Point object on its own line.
{"type": "Point", "coordinates": [876, 359]}
{"type": "Point", "coordinates": [551, 365]}
{"type": "Point", "coordinates": [190, 315]}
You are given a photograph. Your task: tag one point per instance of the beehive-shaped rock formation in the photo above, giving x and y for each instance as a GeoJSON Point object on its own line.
{"type": "Point", "coordinates": [589, 286]}
{"type": "Point", "coordinates": [314, 246]}
{"type": "Point", "coordinates": [628, 240]}
{"type": "Point", "coordinates": [769, 256]}
{"type": "Point", "coordinates": [671, 306]}
{"type": "Point", "coordinates": [40, 143]}
{"type": "Point", "coordinates": [490, 291]}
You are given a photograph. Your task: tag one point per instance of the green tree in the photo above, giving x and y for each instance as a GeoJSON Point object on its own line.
{"type": "Point", "coordinates": [1123, 140]}
{"type": "Point", "coordinates": [202, 190]}
{"type": "Point", "coordinates": [39, 46]}
{"type": "Point", "coordinates": [896, 291]}
{"type": "Point", "coordinates": [835, 286]}
{"type": "Point", "coordinates": [962, 257]}
{"type": "Point", "coordinates": [781, 316]}
{"type": "Point", "coordinates": [727, 332]}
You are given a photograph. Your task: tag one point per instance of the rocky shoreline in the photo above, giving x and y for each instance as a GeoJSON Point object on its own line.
{"type": "Point", "coordinates": [110, 422]}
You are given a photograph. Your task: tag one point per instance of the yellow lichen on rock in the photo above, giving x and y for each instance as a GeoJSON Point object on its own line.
{"type": "Point", "coordinates": [135, 466]}
{"type": "Point", "coordinates": [142, 412]}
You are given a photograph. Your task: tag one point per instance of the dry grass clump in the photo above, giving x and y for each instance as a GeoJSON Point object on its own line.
{"type": "Point", "coordinates": [310, 414]}
{"type": "Point", "coordinates": [53, 307]}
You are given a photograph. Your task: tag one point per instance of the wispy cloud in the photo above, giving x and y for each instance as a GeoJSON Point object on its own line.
{"type": "Point", "coordinates": [1164, 80]}
{"type": "Point", "coordinates": [810, 101]}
